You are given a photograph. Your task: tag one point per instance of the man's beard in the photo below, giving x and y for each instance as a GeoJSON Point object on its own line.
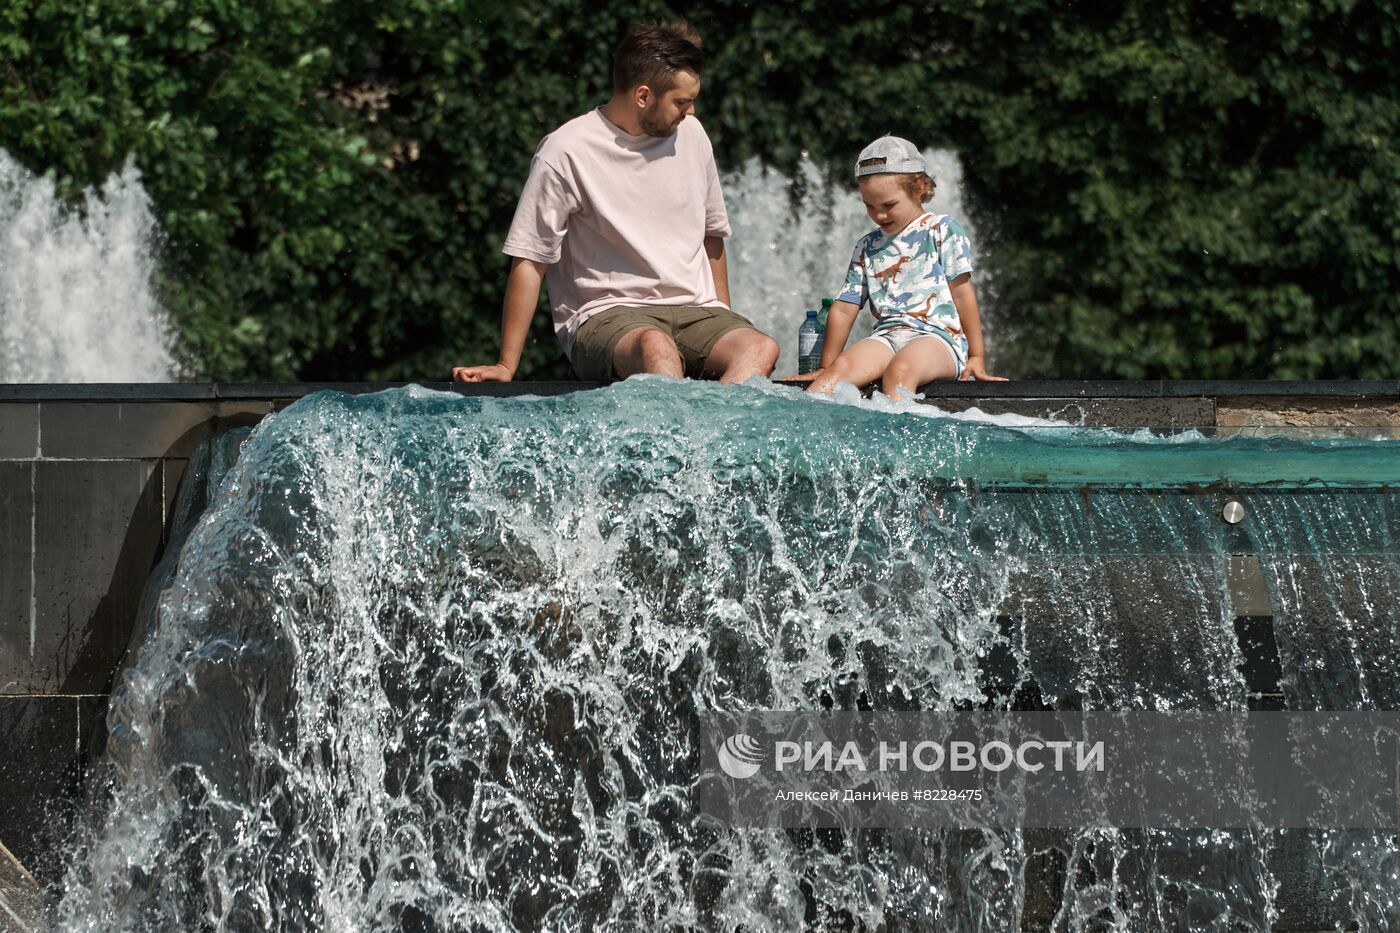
{"type": "Point", "coordinates": [653, 125]}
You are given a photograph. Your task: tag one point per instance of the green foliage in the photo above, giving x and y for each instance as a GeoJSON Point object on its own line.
{"type": "Point", "coordinates": [1162, 189]}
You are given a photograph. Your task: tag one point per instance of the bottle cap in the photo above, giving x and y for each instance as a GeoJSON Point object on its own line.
{"type": "Point", "coordinates": [811, 313]}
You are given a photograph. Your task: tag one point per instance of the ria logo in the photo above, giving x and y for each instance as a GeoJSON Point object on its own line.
{"type": "Point", "coordinates": [740, 755]}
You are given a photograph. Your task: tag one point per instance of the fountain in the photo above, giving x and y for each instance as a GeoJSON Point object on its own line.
{"type": "Point", "coordinates": [77, 290]}
{"type": "Point", "coordinates": [428, 662]}
{"type": "Point", "coordinates": [417, 661]}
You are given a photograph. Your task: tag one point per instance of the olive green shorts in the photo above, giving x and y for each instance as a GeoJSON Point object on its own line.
{"type": "Point", "coordinates": [695, 331]}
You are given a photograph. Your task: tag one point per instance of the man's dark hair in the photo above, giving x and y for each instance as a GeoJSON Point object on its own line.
{"type": "Point", "coordinates": [652, 53]}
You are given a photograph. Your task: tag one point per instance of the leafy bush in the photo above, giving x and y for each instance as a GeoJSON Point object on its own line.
{"type": "Point", "coordinates": [1165, 189]}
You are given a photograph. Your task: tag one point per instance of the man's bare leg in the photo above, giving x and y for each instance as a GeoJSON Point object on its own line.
{"type": "Point", "coordinates": [742, 354]}
{"type": "Point", "coordinates": [647, 350]}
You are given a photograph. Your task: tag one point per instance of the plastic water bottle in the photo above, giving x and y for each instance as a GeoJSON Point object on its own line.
{"type": "Point", "coordinates": [809, 344]}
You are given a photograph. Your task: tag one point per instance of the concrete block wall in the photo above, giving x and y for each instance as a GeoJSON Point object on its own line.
{"type": "Point", "coordinates": [85, 486]}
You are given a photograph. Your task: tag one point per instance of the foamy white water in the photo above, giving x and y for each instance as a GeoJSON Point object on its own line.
{"type": "Point", "coordinates": [77, 294]}
{"type": "Point", "coordinates": [785, 259]}
{"type": "Point", "coordinates": [430, 662]}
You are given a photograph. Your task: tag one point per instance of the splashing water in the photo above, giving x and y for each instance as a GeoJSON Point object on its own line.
{"type": "Point", "coordinates": [77, 300]}
{"type": "Point", "coordinates": [785, 256]}
{"type": "Point", "coordinates": [429, 662]}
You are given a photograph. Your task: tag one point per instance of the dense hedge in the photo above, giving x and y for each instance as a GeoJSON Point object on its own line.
{"type": "Point", "coordinates": [1169, 189]}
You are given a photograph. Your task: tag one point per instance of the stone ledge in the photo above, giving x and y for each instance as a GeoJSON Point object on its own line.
{"type": "Point", "coordinates": [1022, 388]}
{"type": "Point", "coordinates": [20, 898]}
{"type": "Point", "coordinates": [1308, 410]}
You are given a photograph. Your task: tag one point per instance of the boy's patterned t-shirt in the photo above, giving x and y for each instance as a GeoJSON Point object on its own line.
{"type": "Point", "coordinates": [905, 277]}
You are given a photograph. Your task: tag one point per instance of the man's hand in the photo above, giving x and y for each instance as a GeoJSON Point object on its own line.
{"type": "Point", "coordinates": [977, 369]}
{"type": "Point", "coordinates": [522, 294]}
{"type": "Point", "coordinates": [496, 372]}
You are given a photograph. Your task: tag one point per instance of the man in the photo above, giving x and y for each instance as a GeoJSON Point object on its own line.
{"type": "Point", "coordinates": [622, 215]}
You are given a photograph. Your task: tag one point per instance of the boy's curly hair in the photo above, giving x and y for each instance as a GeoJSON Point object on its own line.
{"type": "Point", "coordinates": [918, 185]}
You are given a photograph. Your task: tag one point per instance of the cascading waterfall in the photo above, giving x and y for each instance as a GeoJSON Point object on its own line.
{"type": "Point", "coordinates": [430, 662]}
{"type": "Point", "coordinates": [77, 296]}
{"type": "Point", "coordinates": [1331, 565]}
{"type": "Point", "coordinates": [787, 253]}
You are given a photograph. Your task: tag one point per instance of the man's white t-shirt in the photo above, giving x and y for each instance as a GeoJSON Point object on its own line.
{"type": "Point", "coordinates": [620, 219]}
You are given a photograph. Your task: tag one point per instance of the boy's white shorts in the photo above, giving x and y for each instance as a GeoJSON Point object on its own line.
{"type": "Point", "coordinates": [897, 338]}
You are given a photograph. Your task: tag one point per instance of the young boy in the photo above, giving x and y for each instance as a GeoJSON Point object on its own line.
{"type": "Point", "coordinates": [915, 270]}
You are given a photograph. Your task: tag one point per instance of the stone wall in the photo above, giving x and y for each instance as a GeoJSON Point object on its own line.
{"type": "Point", "coordinates": [85, 484]}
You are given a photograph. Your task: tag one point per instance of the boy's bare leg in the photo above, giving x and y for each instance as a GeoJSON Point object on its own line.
{"type": "Point", "coordinates": [925, 360]}
{"type": "Point", "coordinates": [858, 365]}
{"type": "Point", "coordinates": [647, 350]}
{"type": "Point", "coordinates": [741, 354]}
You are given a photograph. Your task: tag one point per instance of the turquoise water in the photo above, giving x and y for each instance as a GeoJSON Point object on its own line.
{"type": "Point", "coordinates": [434, 662]}
{"type": "Point", "coordinates": [1076, 457]}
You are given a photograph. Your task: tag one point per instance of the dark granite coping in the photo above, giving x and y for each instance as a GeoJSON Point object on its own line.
{"type": "Point", "coordinates": [1151, 388]}
{"type": "Point", "coordinates": [1166, 388]}
{"type": "Point", "coordinates": [255, 391]}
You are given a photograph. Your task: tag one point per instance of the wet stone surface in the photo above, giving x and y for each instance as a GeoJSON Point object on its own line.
{"type": "Point", "coordinates": [97, 530]}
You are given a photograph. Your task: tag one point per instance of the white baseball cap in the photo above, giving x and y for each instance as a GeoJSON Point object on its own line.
{"type": "Point", "coordinates": [896, 155]}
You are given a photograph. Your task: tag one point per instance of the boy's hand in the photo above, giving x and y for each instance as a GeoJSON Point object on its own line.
{"type": "Point", "coordinates": [496, 372]}
{"type": "Point", "coordinates": [977, 369]}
